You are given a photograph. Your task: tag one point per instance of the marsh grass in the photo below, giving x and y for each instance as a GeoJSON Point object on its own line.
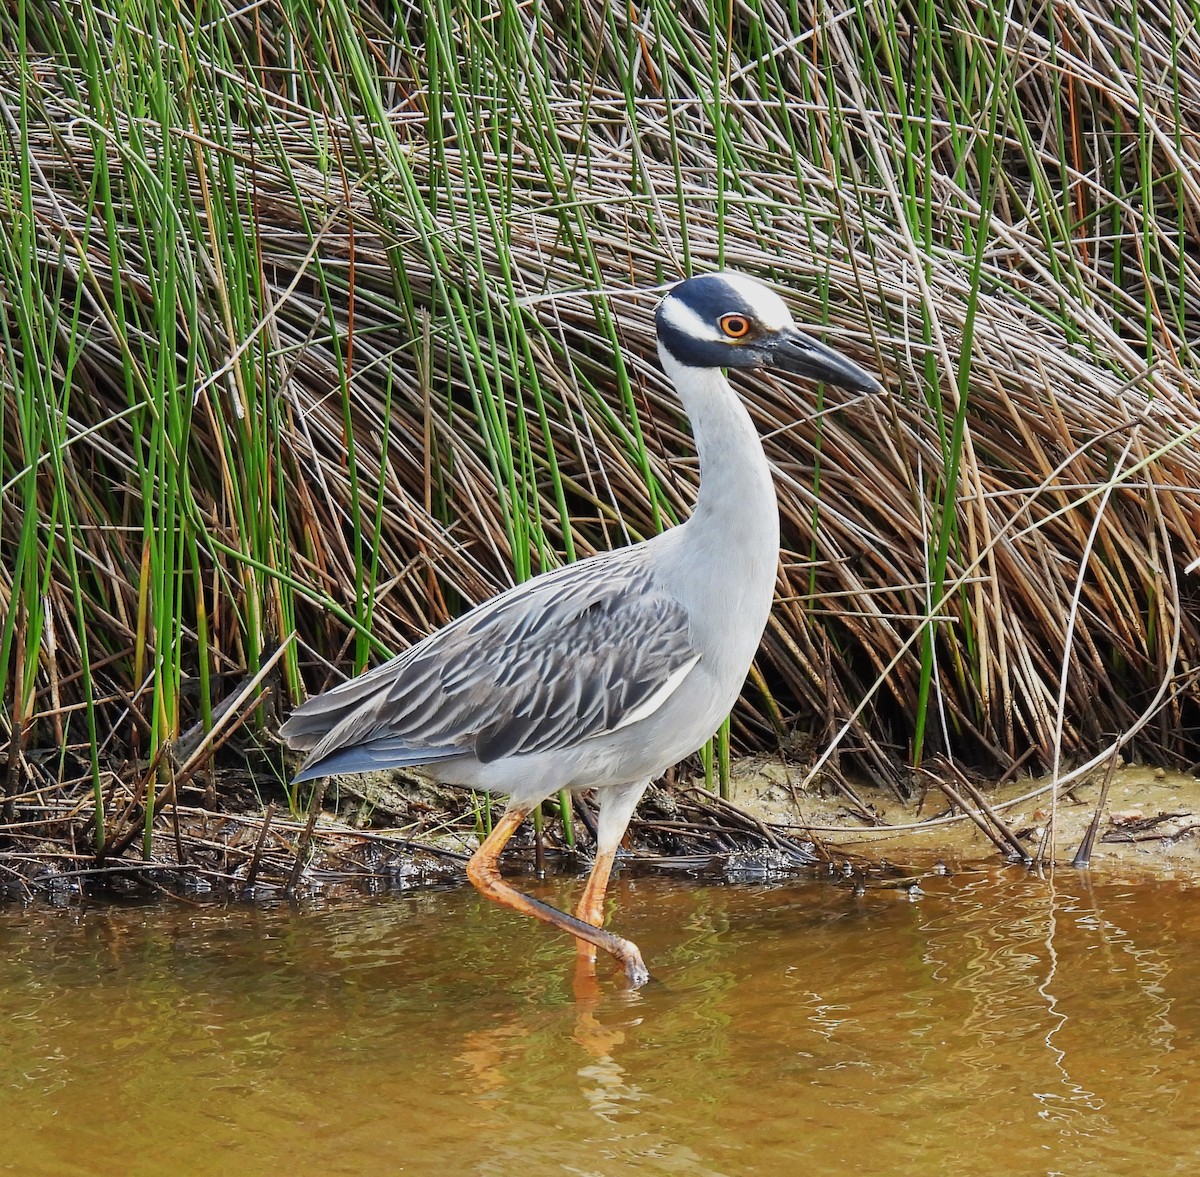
{"type": "Point", "coordinates": [322, 322]}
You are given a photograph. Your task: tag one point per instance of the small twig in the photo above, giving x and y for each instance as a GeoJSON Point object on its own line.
{"type": "Point", "coordinates": [1083, 856]}
{"type": "Point", "coordinates": [314, 809]}
{"type": "Point", "coordinates": [844, 787]}
{"type": "Point", "coordinates": [21, 880]}
{"type": "Point", "coordinates": [134, 868]}
{"type": "Point", "coordinates": [228, 709]}
{"type": "Point", "coordinates": [584, 812]}
{"type": "Point", "coordinates": [957, 799]}
{"type": "Point", "coordinates": [752, 824]}
{"type": "Point", "coordinates": [1149, 834]}
{"type": "Point", "coordinates": [180, 856]}
{"type": "Point", "coordinates": [115, 846]}
{"type": "Point", "coordinates": [1010, 773]}
{"type": "Point", "coordinates": [119, 845]}
{"type": "Point", "coordinates": [256, 859]}
{"type": "Point", "coordinates": [1000, 825]}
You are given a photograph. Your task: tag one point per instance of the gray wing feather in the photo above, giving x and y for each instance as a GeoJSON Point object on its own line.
{"type": "Point", "coordinates": [548, 664]}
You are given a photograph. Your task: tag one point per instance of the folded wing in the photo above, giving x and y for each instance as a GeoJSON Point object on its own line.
{"type": "Point", "coordinates": [585, 650]}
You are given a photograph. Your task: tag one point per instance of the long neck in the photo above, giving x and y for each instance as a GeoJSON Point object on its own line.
{"type": "Point", "coordinates": [733, 534]}
{"type": "Point", "coordinates": [736, 490]}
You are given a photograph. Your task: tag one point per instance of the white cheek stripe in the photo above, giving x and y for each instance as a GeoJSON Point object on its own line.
{"type": "Point", "coordinates": [686, 321]}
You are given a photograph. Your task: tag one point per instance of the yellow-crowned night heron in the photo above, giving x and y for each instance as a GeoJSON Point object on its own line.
{"type": "Point", "coordinates": [606, 672]}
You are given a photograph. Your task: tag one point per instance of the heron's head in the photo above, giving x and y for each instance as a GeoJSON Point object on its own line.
{"type": "Point", "coordinates": [728, 320]}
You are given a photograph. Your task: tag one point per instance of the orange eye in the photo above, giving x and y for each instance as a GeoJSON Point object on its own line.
{"type": "Point", "coordinates": [735, 326]}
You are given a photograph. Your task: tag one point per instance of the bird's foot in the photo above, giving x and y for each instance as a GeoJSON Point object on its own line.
{"type": "Point", "coordinates": [630, 956]}
{"type": "Point", "coordinates": [623, 951]}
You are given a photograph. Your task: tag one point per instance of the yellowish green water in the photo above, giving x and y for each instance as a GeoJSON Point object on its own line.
{"type": "Point", "coordinates": [998, 1024]}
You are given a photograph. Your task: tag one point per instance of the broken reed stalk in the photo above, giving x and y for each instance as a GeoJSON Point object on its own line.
{"type": "Point", "coordinates": [1083, 854]}
{"type": "Point", "coordinates": [984, 826]}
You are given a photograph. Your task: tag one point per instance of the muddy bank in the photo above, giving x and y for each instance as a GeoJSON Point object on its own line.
{"type": "Point", "coordinates": [1149, 822]}
{"type": "Point", "coordinates": [1146, 820]}
{"type": "Point", "coordinates": [388, 832]}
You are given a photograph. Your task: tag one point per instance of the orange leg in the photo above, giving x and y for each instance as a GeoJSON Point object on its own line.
{"type": "Point", "coordinates": [617, 804]}
{"type": "Point", "coordinates": [484, 872]}
{"type": "Point", "coordinates": [591, 903]}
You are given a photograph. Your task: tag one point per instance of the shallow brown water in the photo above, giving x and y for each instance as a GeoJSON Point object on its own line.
{"type": "Point", "coordinates": [998, 1024]}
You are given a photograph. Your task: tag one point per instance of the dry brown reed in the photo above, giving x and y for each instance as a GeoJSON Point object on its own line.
{"type": "Point", "coordinates": [1064, 619]}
